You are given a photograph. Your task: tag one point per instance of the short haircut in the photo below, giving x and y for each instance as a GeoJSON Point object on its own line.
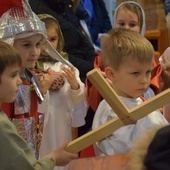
{"type": "Point", "coordinates": [8, 56]}
{"type": "Point", "coordinates": [120, 44]}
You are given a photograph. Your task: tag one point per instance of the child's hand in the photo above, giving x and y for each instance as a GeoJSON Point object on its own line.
{"type": "Point", "coordinates": [166, 77]}
{"type": "Point", "coordinates": [63, 157]}
{"type": "Point", "coordinates": [69, 74]}
{"type": "Point", "coordinates": [165, 62]}
{"type": "Point", "coordinates": [45, 82]}
{"type": "Point", "coordinates": [165, 58]}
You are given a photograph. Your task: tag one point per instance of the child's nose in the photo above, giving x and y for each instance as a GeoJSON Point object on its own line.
{"type": "Point", "coordinates": [144, 79]}
{"type": "Point", "coordinates": [127, 27]}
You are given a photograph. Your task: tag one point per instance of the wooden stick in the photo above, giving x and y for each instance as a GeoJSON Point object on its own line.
{"type": "Point", "coordinates": [106, 129]}
{"type": "Point", "coordinates": [110, 96]}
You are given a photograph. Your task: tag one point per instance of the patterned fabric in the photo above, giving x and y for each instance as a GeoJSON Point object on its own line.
{"type": "Point", "coordinates": [58, 80]}
{"type": "Point", "coordinates": [23, 99]}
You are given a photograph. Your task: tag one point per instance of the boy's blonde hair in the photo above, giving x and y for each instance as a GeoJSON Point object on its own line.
{"type": "Point", "coordinates": [8, 57]}
{"type": "Point", "coordinates": [120, 44]}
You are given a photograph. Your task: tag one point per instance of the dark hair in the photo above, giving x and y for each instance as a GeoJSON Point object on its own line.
{"type": "Point", "coordinates": [8, 56]}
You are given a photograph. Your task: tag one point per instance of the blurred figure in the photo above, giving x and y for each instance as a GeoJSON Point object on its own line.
{"type": "Point", "coordinates": [79, 48]}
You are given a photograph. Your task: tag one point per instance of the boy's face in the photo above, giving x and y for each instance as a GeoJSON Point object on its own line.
{"type": "Point", "coordinates": [131, 79]}
{"type": "Point", "coordinates": [29, 49]}
{"type": "Point", "coordinates": [127, 20]}
{"type": "Point", "coordinates": [9, 83]}
{"type": "Point", "coordinates": [52, 38]}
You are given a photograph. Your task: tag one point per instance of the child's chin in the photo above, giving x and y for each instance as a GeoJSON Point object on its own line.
{"type": "Point", "coordinates": [10, 100]}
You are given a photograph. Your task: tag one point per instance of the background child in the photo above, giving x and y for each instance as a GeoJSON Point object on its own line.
{"type": "Point", "coordinates": [128, 64]}
{"type": "Point", "coordinates": [26, 33]}
{"type": "Point", "coordinates": [67, 105]}
{"type": "Point", "coordinates": [11, 142]}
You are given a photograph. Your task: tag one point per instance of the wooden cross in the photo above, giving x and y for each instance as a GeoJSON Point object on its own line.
{"type": "Point", "coordinates": [125, 116]}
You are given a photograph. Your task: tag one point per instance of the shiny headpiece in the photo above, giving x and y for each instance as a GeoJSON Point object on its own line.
{"type": "Point", "coordinates": [19, 21]}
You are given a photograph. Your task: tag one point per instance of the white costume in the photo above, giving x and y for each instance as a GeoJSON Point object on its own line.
{"type": "Point", "coordinates": [149, 92]}
{"type": "Point", "coordinates": [66, 109]}
{"type": "Point", "coordinates": [121, 140]}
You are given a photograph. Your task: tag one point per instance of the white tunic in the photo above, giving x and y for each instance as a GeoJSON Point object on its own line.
{"type": "Point", "coordinates": [121, 140]}
{"type": "Point", "coordinates": [66, 108]}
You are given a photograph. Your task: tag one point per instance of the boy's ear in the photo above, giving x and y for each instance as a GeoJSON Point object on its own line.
{"type": "Point", "coordinates": [110, 74]}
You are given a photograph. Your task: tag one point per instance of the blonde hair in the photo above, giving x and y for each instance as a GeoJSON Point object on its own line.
{"type": "Point", "coordinates": [120, 44]}
{"type": "Point", "coordinates": [50, 21]}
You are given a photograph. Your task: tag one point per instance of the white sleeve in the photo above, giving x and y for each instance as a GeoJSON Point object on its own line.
{"type": "Point", "coordinates": [79, 101]}
{"type": "Point", "coordinates": [121, 140]}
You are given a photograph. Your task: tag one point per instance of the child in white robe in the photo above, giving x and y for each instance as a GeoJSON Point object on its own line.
{"type": "Point", "coordinates": [67, 104]}
{"type": "Point", "coordinates": [128, 64]}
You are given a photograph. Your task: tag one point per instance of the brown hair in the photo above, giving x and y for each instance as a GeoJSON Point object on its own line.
{"type": "Point", "coordinates": [120, 44]}
{"type": "Point", "coordinates": [8, 56]}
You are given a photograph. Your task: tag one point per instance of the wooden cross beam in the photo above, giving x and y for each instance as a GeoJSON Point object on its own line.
{"type": "Point", "coordinates": [125, 116]}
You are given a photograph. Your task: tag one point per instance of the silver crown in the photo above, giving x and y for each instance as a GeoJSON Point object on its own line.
{"type": "Point", "coordinates": [18, 20]}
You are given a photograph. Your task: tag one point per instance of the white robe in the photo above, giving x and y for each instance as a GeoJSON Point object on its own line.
{"type": "Point", "coordinates": [121, 140]}
{"type": "Point", "coordinates": [65, 108]}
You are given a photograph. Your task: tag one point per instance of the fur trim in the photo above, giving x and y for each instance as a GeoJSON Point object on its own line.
{"type": "Point", "coordinates": [140, 149]}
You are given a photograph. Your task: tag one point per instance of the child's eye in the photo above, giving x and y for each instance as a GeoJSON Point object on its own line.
{"type": "Point", "coordinates": [15, 75]}
{"type": "Point", "coordinates": [122, 24]}
{"type": "Point", "coordinates": [26, 45]}
{"type": "Point", "coordinates": [135, 73]}
{"type": "Point", "coordinates": [148, 72]}
{"type": "Point", "coordinates": [132, 25]}
{"type": "Point", "coordinates": [38, 44]}
{"type": "Point", "coordinates": [53, 39]}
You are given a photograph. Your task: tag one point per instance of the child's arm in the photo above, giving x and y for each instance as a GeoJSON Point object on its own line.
{"type": "Point", "coordinates": [16, 153]}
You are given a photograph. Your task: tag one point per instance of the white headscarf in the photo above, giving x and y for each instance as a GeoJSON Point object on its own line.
{"type": "Point", "coordinates": [143, 15]}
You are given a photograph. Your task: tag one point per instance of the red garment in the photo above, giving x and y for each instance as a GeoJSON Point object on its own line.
{"type": "Point", "coordinates": [156, 76]}
{"type": "Point", "coordinates": [8, 108]}
{"type": "Point", "coordinates": [30, 123]}
{"type": "Point", "coordinates": [6, 5]}
{"type": "Point", "coordinates": [94, 97]}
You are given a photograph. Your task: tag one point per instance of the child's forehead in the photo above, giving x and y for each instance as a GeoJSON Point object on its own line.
{"type": "Point", "coordinates": [126, 10]}
{"type": "Point", "coordinates": [29, 37]}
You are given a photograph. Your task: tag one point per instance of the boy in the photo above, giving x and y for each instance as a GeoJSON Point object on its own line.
{"type": "Point", "coordinates": [22, 156]}
{"type": "Point", "coordinates": [128, 64]}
